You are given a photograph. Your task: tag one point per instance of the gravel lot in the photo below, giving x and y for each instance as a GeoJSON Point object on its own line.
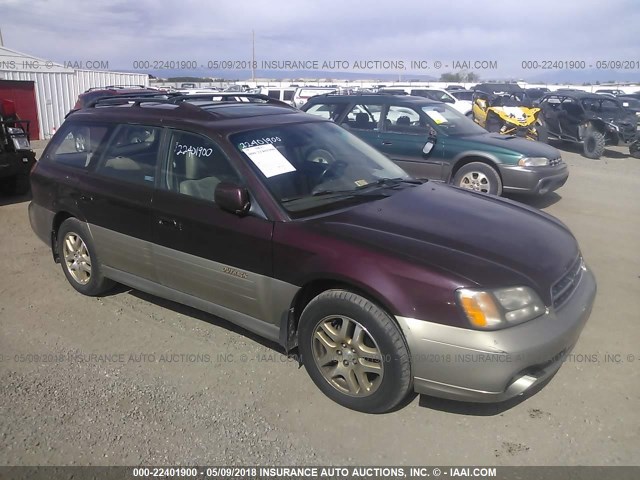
{"type": "Point", "coordinates": [171, 393]}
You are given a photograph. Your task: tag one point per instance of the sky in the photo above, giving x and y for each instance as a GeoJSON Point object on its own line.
{"type": "Point", "coordinates": [505, 32]}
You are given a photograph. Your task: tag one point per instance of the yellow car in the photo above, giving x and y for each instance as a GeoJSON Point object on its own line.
{"type": "Point", "coordinates": [502, 108]}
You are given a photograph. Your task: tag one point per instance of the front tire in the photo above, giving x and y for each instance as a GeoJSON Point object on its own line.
{"type": "Point", "coordinates": [79, 259]}
{"type": "Point", "coordinates": [354, 352]}
{"type": "Point", "coordinates": [493, 123]}
{"type": "Point", "coordinates": [542, 135]}
{"type": "Point", "coordinates": [634, 149]}
{"type": "Point", "coordinates": [479, 177]}
{"type": "Point", "coordinates": [593, 143]}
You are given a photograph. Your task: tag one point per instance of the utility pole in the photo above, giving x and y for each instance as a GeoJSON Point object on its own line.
{"type": "Point", "coordinates": [253, 56]}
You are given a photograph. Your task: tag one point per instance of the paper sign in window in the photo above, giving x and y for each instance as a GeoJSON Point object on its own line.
{"type": "Point", "coordinates": [269, 160]}
{"type": "Point", "coordinates": [436, 116]}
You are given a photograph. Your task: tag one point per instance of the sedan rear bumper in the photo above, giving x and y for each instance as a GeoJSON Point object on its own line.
{"type": "Point", "coordinates": [494, 366]}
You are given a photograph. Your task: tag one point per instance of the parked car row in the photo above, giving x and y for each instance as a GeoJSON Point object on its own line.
{"type": "Point", "coordinates": [592, 120]}
{"type": "Point", "coordinates": [289, 225]}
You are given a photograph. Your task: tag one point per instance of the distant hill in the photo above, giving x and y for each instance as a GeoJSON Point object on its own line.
{"type": "Point", "coordinates": [291, 74]}
{"type": "Point", "coordinates": [584, 76]}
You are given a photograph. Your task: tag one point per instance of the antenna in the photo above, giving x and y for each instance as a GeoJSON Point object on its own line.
{"type": "Point", "coordinates": [253, 55]}
{"type": "Point", "coordinates": [1, 40]}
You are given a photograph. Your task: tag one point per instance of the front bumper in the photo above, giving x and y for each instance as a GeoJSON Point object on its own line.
{"type": "Point", "coordinates": [494, 366]}
{"type": "Point", "coordinates": [533, 180]}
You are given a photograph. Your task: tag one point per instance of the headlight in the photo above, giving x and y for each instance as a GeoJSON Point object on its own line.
{"type": "Point", "coordinates": [533, 162]}
{"type": "Point", "coordinates": [500, 308]}
{"type": "Point", "coordinates": [15, 131]}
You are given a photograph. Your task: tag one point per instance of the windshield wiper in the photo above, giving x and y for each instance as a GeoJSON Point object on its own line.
{"type": "Point", "coordinates": [361, 190]}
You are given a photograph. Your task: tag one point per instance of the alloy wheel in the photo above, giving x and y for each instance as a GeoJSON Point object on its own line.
{"type": "Point", "coordinates": [76, 258]}
{"type": "Point", "coordinates": [347, 356]}
{"type": "Point", "coordinates": [476, 181]}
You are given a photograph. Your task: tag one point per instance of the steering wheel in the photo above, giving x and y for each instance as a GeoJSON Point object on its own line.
{"type": "Point", "coordinates": [323, 157]}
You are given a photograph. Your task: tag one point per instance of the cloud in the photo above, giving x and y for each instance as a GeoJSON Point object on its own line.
{"type": "Point", "coordinates": [506, 31]}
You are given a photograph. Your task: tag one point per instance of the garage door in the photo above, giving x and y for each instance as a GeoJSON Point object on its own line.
{"type": "Point", "coordinates": [23, 94]}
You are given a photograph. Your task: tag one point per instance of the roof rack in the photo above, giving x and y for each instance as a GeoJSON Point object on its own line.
{"type": "Point", "coordinates": [232, 97]}
{"type": "Point", "coordinates": [135, 98]}
{"type": "Point", "coordinates": [120, 87]}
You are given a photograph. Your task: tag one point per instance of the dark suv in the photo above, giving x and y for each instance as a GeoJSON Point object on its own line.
{"type": "Point", "coordinates": [16, 155]}
{"type": "Point", "coordinates": [291, 227]}
{"type": "Point", "coordinates": [590, 119]}
{"type": "Point", "coordinates": [429, 139]}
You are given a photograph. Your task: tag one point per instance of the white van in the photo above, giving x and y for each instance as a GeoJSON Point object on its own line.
{"type": "Point", "coordinates": [463, 106]}
{"type": "Point", "coordinates": [284, 94]}
{"type": "Point", "coordinates": [305, 93]}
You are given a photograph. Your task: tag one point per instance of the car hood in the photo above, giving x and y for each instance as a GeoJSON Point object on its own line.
{"type": "Point", "coordinates": [528, 148]}
{"type": "Point", "coordinates": [479, 239]}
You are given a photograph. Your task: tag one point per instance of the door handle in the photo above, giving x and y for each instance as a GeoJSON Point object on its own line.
{"type": "Point", "coordinates": [169, 222]}
{"type": "Point", "coordinates": [387, 143]}
{"type": "Point", "coordinates": [86, 198]}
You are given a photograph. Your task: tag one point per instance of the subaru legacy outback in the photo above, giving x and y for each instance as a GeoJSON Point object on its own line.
{"type": "Point", "coordinates": [432, 140]}
{"type": "Point", "coordinates": [291, 227]}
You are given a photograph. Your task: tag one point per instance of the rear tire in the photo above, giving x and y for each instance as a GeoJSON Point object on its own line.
{"type": "Point", "coordinates": [479, 177]}
{"type": "Point", "coordinates": [354, 352]}
{"type": "Point", "coordinates": [593, 143]}
{"type": "Point", "coordinates": [634, 149]}
{"type": "Point", "coordinates": [79, 259]}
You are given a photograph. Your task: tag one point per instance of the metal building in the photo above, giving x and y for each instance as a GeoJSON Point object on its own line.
{"type": "Point", "coordinates": [55, 87]}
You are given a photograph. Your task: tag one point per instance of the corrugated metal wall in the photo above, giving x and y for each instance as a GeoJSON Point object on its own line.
{"type": "Point", "coordinates": [56, 92]}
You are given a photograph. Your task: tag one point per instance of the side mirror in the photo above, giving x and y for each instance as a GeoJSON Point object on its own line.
{"type": "Point", "coordinates": [431, 141]}
{"type": "Point", "coordinates": [232, 198]}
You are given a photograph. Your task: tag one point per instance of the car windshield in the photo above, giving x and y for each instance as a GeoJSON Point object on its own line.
{"type": "Point", "coordinates": [318, 166]}
{"type": "Point", "coordinates": [450, 121]}
{"type": "Point", "coordinates": [438, 95]}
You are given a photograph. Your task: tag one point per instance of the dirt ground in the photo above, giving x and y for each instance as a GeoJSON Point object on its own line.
{"type": "Point", "coordinates": [132, 379]}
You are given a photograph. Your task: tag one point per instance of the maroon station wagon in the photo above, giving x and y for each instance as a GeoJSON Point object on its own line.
{"type": "Point", "coordinates": [293, 228]}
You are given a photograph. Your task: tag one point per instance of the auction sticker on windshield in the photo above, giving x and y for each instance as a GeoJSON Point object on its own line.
{"type": "Point", "coordinates": [436, 116]}
{"type": "Point", "coordinates": [269, 160]}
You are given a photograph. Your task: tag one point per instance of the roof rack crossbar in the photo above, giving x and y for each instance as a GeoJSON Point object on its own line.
{"type": "Point", "coordinates": [128, 97]}
{"type": "Point", "coordinates": [232, 95]}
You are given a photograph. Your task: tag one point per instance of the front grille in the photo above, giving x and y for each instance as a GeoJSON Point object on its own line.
{"type": "Point", "coordinates": [563, 288]}
{"type": "Point", "coordinates": [555, 161]}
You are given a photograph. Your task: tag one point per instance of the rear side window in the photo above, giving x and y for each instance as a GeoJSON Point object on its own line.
{"type": "Point", "coordinates": [288, 95]}
{"type": "Point", "coordinates": [131, 154]}
{"type": "Point", "coordinates": [195, 166]}
{"type": "Point", "coordinates": [363, 117]}
{"type": "Point", "coordinates": [76, 145]}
